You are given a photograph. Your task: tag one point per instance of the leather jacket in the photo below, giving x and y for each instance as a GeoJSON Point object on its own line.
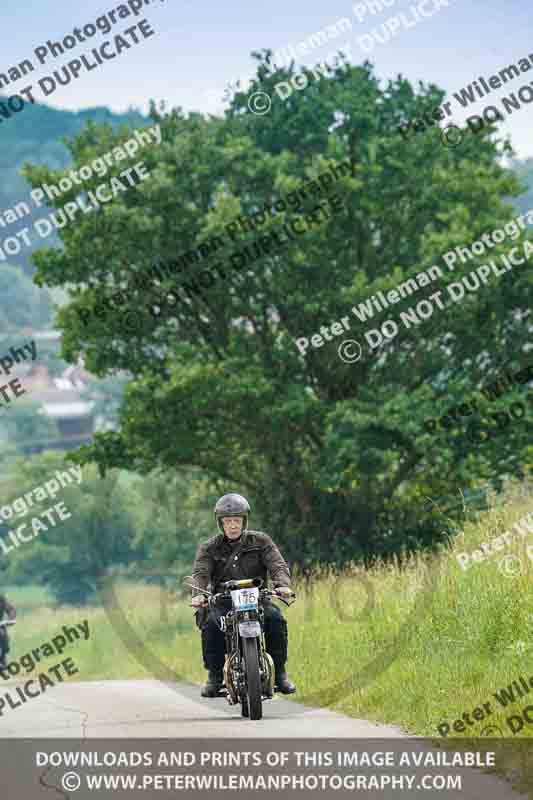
{"type": "Point", "coordinates": [258, 558]}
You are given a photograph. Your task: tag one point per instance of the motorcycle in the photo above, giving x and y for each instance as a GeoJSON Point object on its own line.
{"type": "Point", "coordinates": [248, 668]}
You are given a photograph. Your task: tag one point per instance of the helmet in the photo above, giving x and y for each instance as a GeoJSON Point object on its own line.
{"type": "Point", "coordinates": [232, 505]}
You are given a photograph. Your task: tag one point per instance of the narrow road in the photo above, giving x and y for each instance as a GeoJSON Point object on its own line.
{"type": "Point", "coordinates": [100, 709]}
{"type": "Point", "coordinates": [151, 710]}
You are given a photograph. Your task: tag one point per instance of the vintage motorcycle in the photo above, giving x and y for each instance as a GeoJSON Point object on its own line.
{"type": "Point", "coordinates": [248, 668]}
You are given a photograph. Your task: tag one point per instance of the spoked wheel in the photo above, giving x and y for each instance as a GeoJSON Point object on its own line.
{"type": "Point", "coordinates": [252, 703]}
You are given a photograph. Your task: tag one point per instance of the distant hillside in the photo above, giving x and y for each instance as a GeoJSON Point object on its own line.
{"type": "Point", "coordinates": [35, 135]}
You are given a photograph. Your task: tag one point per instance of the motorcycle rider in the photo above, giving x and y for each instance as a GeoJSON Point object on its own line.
{"type": "Point", "coordinates": [5, 608]}
{"type": "Point", "coordinates": [239, 553]}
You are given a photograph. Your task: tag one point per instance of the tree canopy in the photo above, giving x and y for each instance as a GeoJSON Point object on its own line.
{"type": "Point", "coordinates": [334, 456]}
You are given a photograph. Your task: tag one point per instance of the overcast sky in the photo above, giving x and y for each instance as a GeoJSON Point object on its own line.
{"type": "Point", "coordinates": [199, 46]}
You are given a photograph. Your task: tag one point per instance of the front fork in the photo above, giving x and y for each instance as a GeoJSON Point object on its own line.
{"type": "Point", "coordinates": [234, 677]}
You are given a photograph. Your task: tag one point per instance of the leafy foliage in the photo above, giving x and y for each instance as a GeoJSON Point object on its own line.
{"type": "Point", "coordinates": [23, 304]}
{"type": "Point", "coordinates": [334, 456]}
{"type": "Point", "coordinates": [173, 513]}
{"type": "Point", "coordinates": [21, 427]}
{"type": "Point", "coordinates": [146, 527]}
{"type": "Point", "coordinates": [69, 557]}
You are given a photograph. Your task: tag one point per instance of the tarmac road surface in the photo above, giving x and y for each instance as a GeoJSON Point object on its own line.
{"type": "Point", "coordinates": [149, 709]}
{"type": "Point", "coordinates": [99, 709]}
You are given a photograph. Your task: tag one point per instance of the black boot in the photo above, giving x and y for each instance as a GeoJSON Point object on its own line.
{"type": "Point", "coordinates": [215, 682]}
{"type": "Point", "coordinates": [283, 684]}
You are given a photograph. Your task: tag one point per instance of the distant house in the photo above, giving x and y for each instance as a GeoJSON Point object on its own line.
{"type": "Point", "coordinates": [74, 400]}
{"type": "Point", "coordinates": [60, 399]}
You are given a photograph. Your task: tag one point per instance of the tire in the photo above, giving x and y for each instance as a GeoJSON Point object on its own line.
{"type": "Point", "coordinates": [244, 706]}
{"type": "Point", "coordinates": [253, 700]}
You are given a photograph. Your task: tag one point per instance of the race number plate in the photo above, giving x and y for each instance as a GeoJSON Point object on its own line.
{"type": "Point", "coordinates": [249, 628]}
{"type": "Point", "coordinates": [245, 599]}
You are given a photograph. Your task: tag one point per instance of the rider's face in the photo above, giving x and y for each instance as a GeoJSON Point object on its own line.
{"type": "Point", "coordinates": [232, 526]}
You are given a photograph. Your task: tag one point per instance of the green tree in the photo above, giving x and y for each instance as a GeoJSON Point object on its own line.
{"type": "Point", "coordinates": [23, 304]}
{"type": "Point", "coordinates": [173, 513]}
{"type": "Point", "coordinates": [71, 555]}
{"type": "Point", "coordinates": [123, 524]}
{"type": "Point", "coordinates": [334, 455]}
{"type": "Point", "coordinates": [107, 397]}
{"type": "Point", "coordinates": [22, 427]}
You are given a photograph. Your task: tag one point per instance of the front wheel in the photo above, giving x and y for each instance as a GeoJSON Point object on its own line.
{"type": "Point", "coordinates": [244, 706]}
{"type": "Point", "coordinates": [252, 703]}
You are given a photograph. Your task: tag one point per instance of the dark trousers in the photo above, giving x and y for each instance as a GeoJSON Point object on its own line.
{"type": "Point", "coordinates": [214, 644]}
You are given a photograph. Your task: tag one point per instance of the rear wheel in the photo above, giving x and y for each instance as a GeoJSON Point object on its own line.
{"type": "Point", "coordinates": [253, 700]}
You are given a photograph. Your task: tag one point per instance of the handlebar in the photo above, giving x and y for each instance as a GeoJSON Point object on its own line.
{"type": "Point", "coordinates": [9, 622]}
{"type": "Point", "coordinates": [213, 599]}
